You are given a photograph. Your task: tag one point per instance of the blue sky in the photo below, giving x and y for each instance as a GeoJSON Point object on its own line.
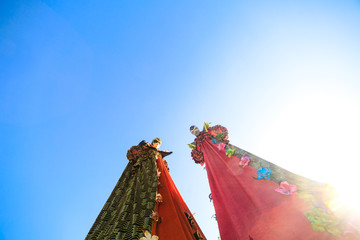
{"type": "Point", "coordinates": [83, 81]}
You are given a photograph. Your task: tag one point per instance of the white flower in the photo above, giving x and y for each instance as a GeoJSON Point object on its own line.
{"type": "Point", "coordinates": [159, 198]}
{"type": "Point", "coordinates": [148, 236]}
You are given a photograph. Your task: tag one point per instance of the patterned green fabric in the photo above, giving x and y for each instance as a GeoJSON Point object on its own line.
{"type": "Point", "coordinates": [126, 212]}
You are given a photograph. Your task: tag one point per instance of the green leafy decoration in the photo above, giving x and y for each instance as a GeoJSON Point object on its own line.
{"type": "Point", "coordinates": [220, 136]}
{"type": "Point", "coordinates": [230, 152]}
{"type": "Point", "coordinates": [191, 145]}
{"type": "Point", "coordinates": [206, 126]}
{"type": "Point", "coordinates": [322, 221]}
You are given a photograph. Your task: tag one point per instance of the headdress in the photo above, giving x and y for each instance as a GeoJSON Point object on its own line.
{"type": "Point", "coordinates": [156, 140]}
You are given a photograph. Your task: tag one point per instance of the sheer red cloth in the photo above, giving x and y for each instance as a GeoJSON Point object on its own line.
{"type": "Point", "coordinates": [176, 221]}
{"type": "Point", "coordinates": [247, 208]}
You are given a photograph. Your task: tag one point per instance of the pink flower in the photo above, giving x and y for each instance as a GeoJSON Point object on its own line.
{"type": "Point", "coordinates": [221, 146]}
{"type": "Point", "coordinates": [286, 188]}
{"type": "Point", "coordinates": [244, 161]}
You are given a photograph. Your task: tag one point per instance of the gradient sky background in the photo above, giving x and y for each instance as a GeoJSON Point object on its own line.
{"type": "Point", "coordinates": [83, 81]}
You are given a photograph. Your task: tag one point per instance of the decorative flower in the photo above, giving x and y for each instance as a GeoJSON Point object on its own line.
{"type": "Point", "coordinates": [159, 198]}
{"type": "Point", "coordinates": [221, 146]}
{"type": "Point", "coordinates": [244, 161]}
{"type": "Point", "coordinates": [263, 173]}
{"type": "Point", "coordinates": [286, 188]}
{"type": "Point", "coordinates": [230, 152]}
{"type": "Point", "coordinates": [220, 136]}
{"type": "Point", "coordinates": [322, 221]}
{"type": "Point", "coordinates": [214, 140]}
{"type": "Point", "coordinates": [158, 173]}
{"type": "Point", "coordinates": [148, 236]}
{"type": "Point", "coordinates": [154, 216]}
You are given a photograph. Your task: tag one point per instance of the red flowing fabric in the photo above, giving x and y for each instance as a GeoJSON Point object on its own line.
{"type": "Point", "coordinates": [173, 223]}
{"type": "Point", "coordinates": [246, 207]}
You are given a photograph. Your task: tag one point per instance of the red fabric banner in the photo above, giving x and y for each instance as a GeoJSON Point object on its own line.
{"type": "Point", "coordinates": [176, 221]}
{"type": "Point", "coordinates": [247, 208]}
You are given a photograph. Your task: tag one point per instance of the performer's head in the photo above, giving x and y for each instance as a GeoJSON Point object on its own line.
{"type": "Point", "coordinates": [194, 130]}
{"type": "Point", "coordinates": [156, 142]}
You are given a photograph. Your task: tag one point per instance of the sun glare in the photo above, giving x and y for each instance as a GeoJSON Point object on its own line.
{"type": "Point", "coordinates": [316, 135]}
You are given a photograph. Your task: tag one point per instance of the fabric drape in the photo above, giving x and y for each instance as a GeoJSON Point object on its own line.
{"type": "Point", "coordinates": [134, 205]}
{"type": "Point", "coordinates": [176, 221]}
{"type": "Point", "coordinates": [247, 205]}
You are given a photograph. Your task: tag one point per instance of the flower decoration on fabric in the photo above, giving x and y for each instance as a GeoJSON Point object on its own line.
{"type": "Point", "coordinates": [263, 173]}
{"type": "Point", "coordinates": [230, 152]}
{"type": "Point", "coordinates": [220, 133]}
{"type": "Point", "coordinates": [220, 136]}
{"type": "Point", "coordinates": [214, 140]}
{"type": "Point", "coordinates": [192, 146]}
{"type": "Point", "coordinates": [286, 189]}
{"type": "Point", "coordinates": [154, 216]}
{"type": "Point", "coordinates": [244, 161]}
{"type": "Point", "coordinates": [322, 221]}
{"type": "Point", "coordinates": [197, 156]}
{"type": "Point", "coordinates": [221, 146]}
{"type": "Point", "coordinates": [159, 198]}
{"type": "Point", "coordinates": [148, 236]}
{"type": "Point", "coordinates": [158, 176]}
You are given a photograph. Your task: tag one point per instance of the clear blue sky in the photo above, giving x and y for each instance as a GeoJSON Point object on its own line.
{"type": "Point", "coordinates": [83, 81]}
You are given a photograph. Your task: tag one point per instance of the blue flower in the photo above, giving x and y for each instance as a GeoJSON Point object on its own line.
{"type": "Point", "coordinates": [214, 140]}
{"type": "Point", "coordinates": [264, 173]}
